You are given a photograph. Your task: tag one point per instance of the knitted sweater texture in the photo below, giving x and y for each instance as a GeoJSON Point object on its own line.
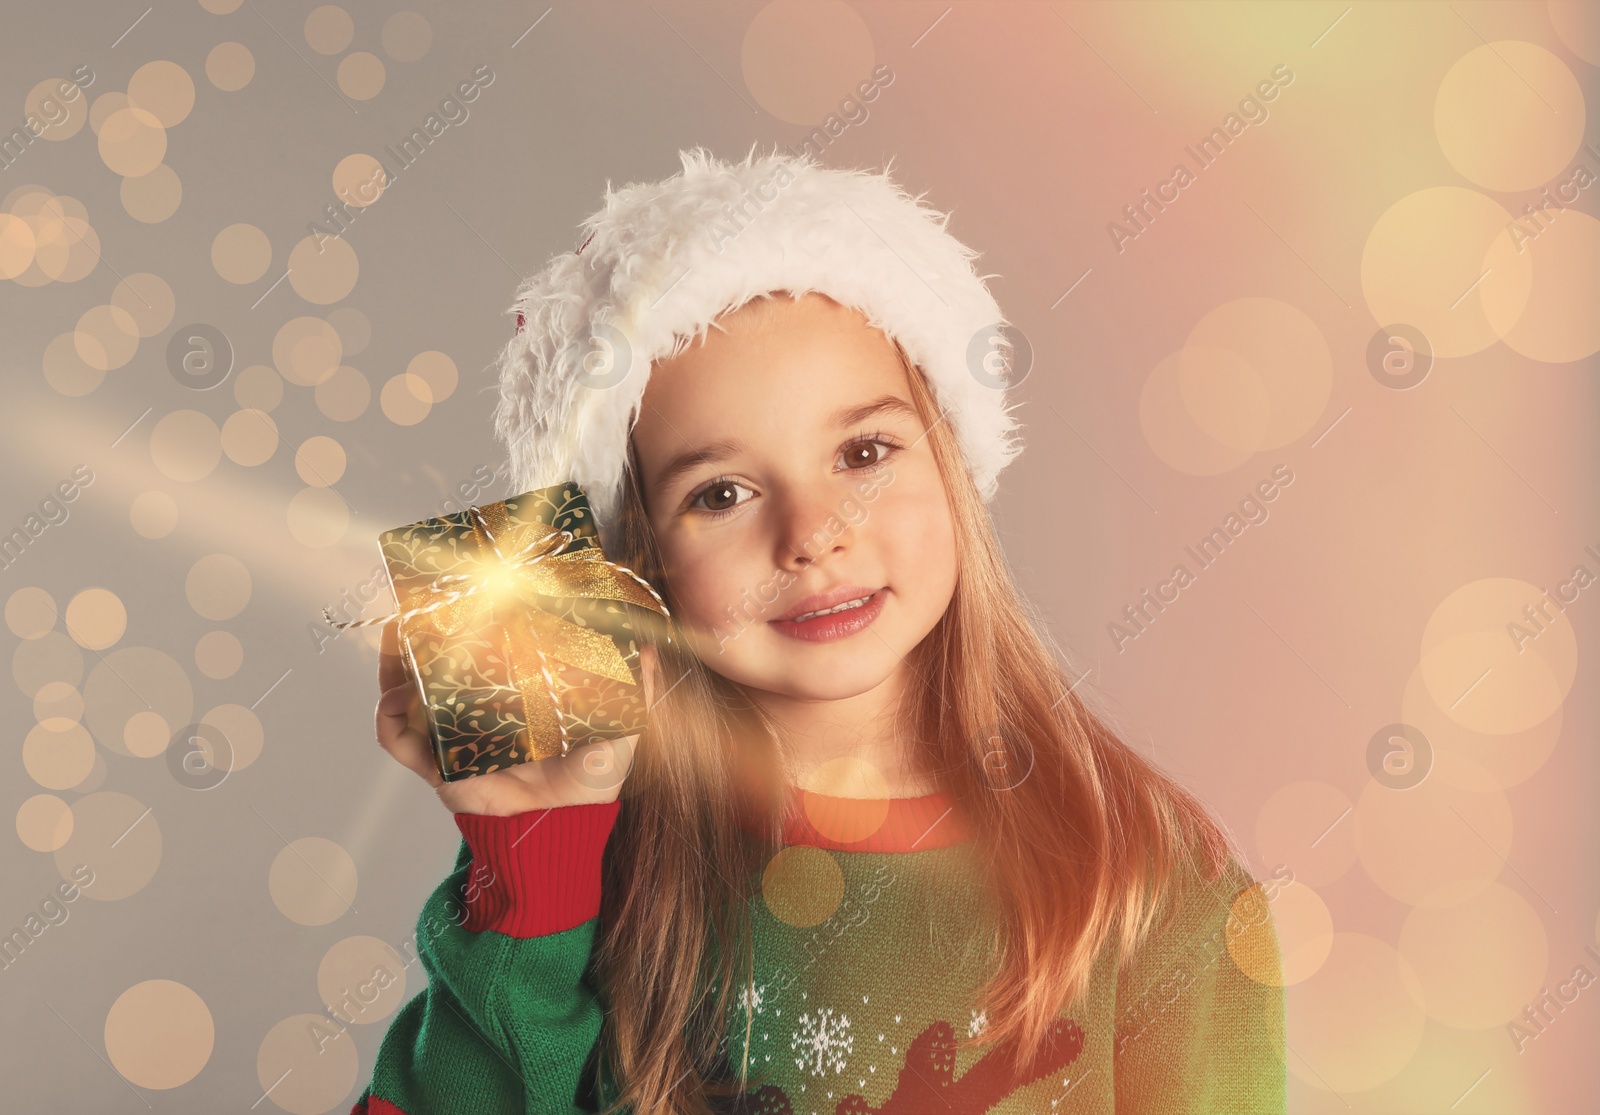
{"type": "Point", "coordinates": [855, 1014]}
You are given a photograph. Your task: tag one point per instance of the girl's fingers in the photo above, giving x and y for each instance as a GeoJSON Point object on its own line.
{"type": "Point", "coordinates": [410, 748]}
{"type": "Point", "coordinates": [649, 661]}
{"type": "Point", "coordinates": [398, 700]}
{"type": "Point", "coordinates": [399, 712]}
{"type": "Point", "coordinates": [391, 667]}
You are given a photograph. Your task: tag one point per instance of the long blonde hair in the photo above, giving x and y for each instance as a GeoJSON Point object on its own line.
{"type": "Point", "coordinates": [1083, 834]}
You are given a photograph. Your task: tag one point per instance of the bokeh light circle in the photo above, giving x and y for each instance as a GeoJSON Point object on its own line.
{"type": "Point", "coordinates": [306, 350]}
{"type": "Point", "coordinates": [323, 269]}
{"type": "Point", "coordinates": [242, 731]}
{"type": "Point", "coordinates": [312, 881]}
{"type": "Point", "coordinates": [159, 1034]}
{"type": "Point", "coordinates": [59, 106]}
{"type": "Point", "coordinates": [438, 371]}
{"type": "Point", "coordinates": [1480, 962]}
{"type": "Point", "coordinates": [31, 612]}
{"type": "Point", "coordinates": [230, 66]}
{"type": "Point", "coordinates": [361, 75]}
{"type": "Point", "coordinates": [153, 514]}
{"type": "Point", "coordinates": [1509, 115]}
{"type": "Point", "coordinates": [44, 822]}
{"type": "Point", "coordinates": [185, 445]}
{"type": "Point", "coordinates": [802, 885]}
{"type": "Point", "coordinates": [1425, 257]}
{"type": "Point", "coordinates": [106, 337]}
{"type": "Point", "coordinates": [362, 979]}
{"type": "Point", "coordinates": [164, 89]}
{"type": "Point", "coordinates": [132, 141]}
{"type": "Point", "coordinates": [344, 395]}
{"type": "Point", "coordinates": [218, 654]}
{"type": "Point", "coordinates": [96, 618]}
{"type": "Point", "coordinates": [406, 36]}
{"type": "Point", "coordinates": [329, 29]}
{"type": "Point", "coordinates": [58, 758]}
{"type": "Point", "coordinates": [218, 586]}
{"type": "Point", "coordinates": [406, 399]}
{"type": "Point", "coordinates": [360, 179]}
{"type": "Point", "coordinates": [320, 461]}
{"type": "Point", "coordinates": [249, 437]}
{"type": "Point", "coordinates": [846, 799]}
{"type": "Point", "coordinates": [146, 734]}
{"type": "Point", "coordinates": [118, 839]}
{"type": "Point", "coordinates": [58, 704]}
{"type": "Point", "coordinates": [1557, 323]}
{"type": "Point", "coordinates": [1497, 657]}
{"type": "Point", "coordinates": [308, 1063]}
{"type": "Point", "coordinates": [241, 253]}
{"type": "Point", "coordinates": [152, 197]}
{"type": "Point", "coordinates": [258, 387]}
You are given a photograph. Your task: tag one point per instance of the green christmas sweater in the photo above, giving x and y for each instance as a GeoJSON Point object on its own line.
{"type": "Point", "coordinates": [856, 1015]}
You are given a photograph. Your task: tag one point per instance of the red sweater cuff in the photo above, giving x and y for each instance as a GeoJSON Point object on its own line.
{"type": "Point", "coordinates": [535, 873]}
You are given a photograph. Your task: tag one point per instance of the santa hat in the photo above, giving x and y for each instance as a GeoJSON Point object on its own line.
{"type": "Point", "coordinates": [662, 260]}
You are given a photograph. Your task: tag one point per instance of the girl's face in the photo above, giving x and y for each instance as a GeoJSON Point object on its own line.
{"type": "Point", "coordinates": [784, 470]}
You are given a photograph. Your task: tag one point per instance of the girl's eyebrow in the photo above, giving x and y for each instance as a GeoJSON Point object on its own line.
{"type": "Point", "coordinates": [692, 458]}
{"type": "Point", "coordinates": [721, 450]}
{"type": "Point", "coordinates": [886, 404]}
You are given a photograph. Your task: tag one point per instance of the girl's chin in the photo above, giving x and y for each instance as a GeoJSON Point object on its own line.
{"type": "Point", "coordinates": [802, 689]}
{"type": "Point", "coordinates": [812, 672]}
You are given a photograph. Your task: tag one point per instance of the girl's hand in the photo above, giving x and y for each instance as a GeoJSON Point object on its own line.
{"type": "Point", "coordinates": [593, 772]}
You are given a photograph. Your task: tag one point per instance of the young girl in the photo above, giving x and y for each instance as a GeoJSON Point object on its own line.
{"type": "Point", "coordinates": [873, 852]}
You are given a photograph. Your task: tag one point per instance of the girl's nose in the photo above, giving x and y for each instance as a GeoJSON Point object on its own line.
{"type": "Point", "coordinates": [813, 527]}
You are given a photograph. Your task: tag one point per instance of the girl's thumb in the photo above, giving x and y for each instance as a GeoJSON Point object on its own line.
{"type": "Point", "coordinates": [649, 665]}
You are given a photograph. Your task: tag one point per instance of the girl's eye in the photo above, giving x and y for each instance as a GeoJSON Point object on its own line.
{"type": "Point", "coordinates": [720, 496]}
{"type": "Point", "coordinates": [864, 454]}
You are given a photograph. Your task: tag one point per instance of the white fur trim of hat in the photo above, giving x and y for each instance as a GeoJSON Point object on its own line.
{"type": "Point", "coordinates": [662, 260]}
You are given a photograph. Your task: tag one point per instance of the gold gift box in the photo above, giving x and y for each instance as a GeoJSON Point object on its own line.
{"type": "Point", "coordinates": [523, 639]}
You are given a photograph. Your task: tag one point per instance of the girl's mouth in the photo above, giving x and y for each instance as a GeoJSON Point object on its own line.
{"type": "Point", "coordinates": [838, 622]}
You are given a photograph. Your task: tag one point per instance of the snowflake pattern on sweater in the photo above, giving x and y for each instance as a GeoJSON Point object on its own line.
{"type": "Point", "coordinates": [928, 1074]}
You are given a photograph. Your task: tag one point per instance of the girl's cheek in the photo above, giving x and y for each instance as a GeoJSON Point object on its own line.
{"type": "Point", "coordinates": [913, 515]}
{"type": "Point", "coordinates": [707, 584]}
{"type": "Point", "coordinates": [917, 540]}
{"type": "Point", "coordinates": [914, 533]}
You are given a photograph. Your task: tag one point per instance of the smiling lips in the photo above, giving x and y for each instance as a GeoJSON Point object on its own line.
{"type": "Point", "coordinates": [831, 615]}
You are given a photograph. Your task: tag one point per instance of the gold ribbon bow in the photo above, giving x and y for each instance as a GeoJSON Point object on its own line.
{"type": "Point", "coordinates": [523, 561]}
